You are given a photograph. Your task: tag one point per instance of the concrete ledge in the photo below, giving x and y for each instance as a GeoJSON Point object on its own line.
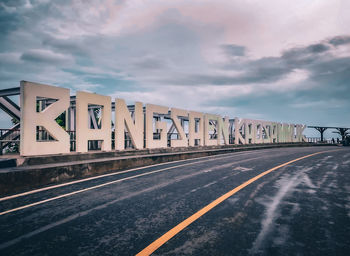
{"type": "Point", "coordinates": [40, 171]}
{"type": "Point", "coordinates": [64, 158]}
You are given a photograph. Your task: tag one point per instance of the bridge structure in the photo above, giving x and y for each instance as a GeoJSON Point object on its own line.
{"type": "Point", "coordinates": [39, 169]}
{"type": "Point", "coordinates": [342, 131]}
{"type": "Point", "coordinates": [10, 137]}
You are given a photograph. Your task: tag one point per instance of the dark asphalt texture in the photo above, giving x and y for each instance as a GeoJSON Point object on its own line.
{"type": "Point", "coordinates": [299, 209]}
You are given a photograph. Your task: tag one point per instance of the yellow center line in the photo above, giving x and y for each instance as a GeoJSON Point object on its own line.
{"type": "Point", "coordinates": [174, 231]}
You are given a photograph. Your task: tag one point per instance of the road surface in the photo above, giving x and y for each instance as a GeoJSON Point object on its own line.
{"type": "Point", "coordinates": [286, 201]}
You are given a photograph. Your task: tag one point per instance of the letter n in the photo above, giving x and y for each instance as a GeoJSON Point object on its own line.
{"type": "Point", "coordinates": [83, 131]}
{"type": "Point", "coordinates": [123, 121]}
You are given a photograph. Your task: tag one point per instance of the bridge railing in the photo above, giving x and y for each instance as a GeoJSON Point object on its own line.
{"type": "Point", "coordinates": [10, 140]}
{"type": "Point", "coordinates": [313, 139]}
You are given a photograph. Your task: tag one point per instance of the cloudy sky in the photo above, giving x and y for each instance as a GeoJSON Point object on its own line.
{"type": "Point", "coordinates": [276, 60]}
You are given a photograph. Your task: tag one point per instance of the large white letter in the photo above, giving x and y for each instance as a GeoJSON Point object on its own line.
{"type": "Point", "coordinates": [150, 141]}
{"type": "Point", "coordinates": [123, 120]}
{"type": "Point", "coordinates": [284, 133]}
{"type": "Point", "coordinates": [194, 134]}
{"type": "Point", "coordinates": [250, 131]}
{"type": "Point", "coordinates": [258, 126]}
{"type": "Point", "coordinates": [238, 135]}
{"type": "Point", "coordinates": [83, 131]}
{"type": "Point", "coordinates": [267, 130]}
{"type": "Point", "coordinates": [274, 132]}
{"type": "Point", "coordinates": [30, 119]}
{"type": "Point", "coordinates": [182, 142]}
{"type": "Point", "coordinates": [300, 137]}
{"type": "Point", "coordinates": [222, 127]}
{"type": "Point", "coordinates": [208, 128]}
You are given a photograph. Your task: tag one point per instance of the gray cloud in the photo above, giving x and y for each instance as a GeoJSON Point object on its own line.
{"type": "Point", "coordinates": [264, 70]}
{"type": "Point", "coordinates": [233, 50]}
{"type": "Point", "coordinates": [325, 103]}
{"type": "Point", "coordinates": [150, 63]}
{"type": "Point", "coordinates": [8, 21]}
{"type": "Point", "coordinates": [302, 56]}
{"type": "Point", "coordinates": [45, 56]}
{"type": "Point", "coordinates": [339, 40]}
{"type": "Point", "coordinates": [315, 58]}
{"type": "Point", "coordinates": [74, 46]}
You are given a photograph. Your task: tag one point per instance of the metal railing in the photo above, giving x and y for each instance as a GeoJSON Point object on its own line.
{"type": "Point", "coordinates": [10, 140]}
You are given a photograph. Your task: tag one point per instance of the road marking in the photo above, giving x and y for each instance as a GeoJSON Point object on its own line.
{"type": "Point", "coordinates": [116, 173]}
{"type": "Point", "coordinates": [106, 184]}
{"type": "Point", "coordinates": [174, 231]}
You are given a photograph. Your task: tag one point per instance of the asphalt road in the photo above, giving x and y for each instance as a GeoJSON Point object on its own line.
{"type": "Point", "coordinates": [302, 208]}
